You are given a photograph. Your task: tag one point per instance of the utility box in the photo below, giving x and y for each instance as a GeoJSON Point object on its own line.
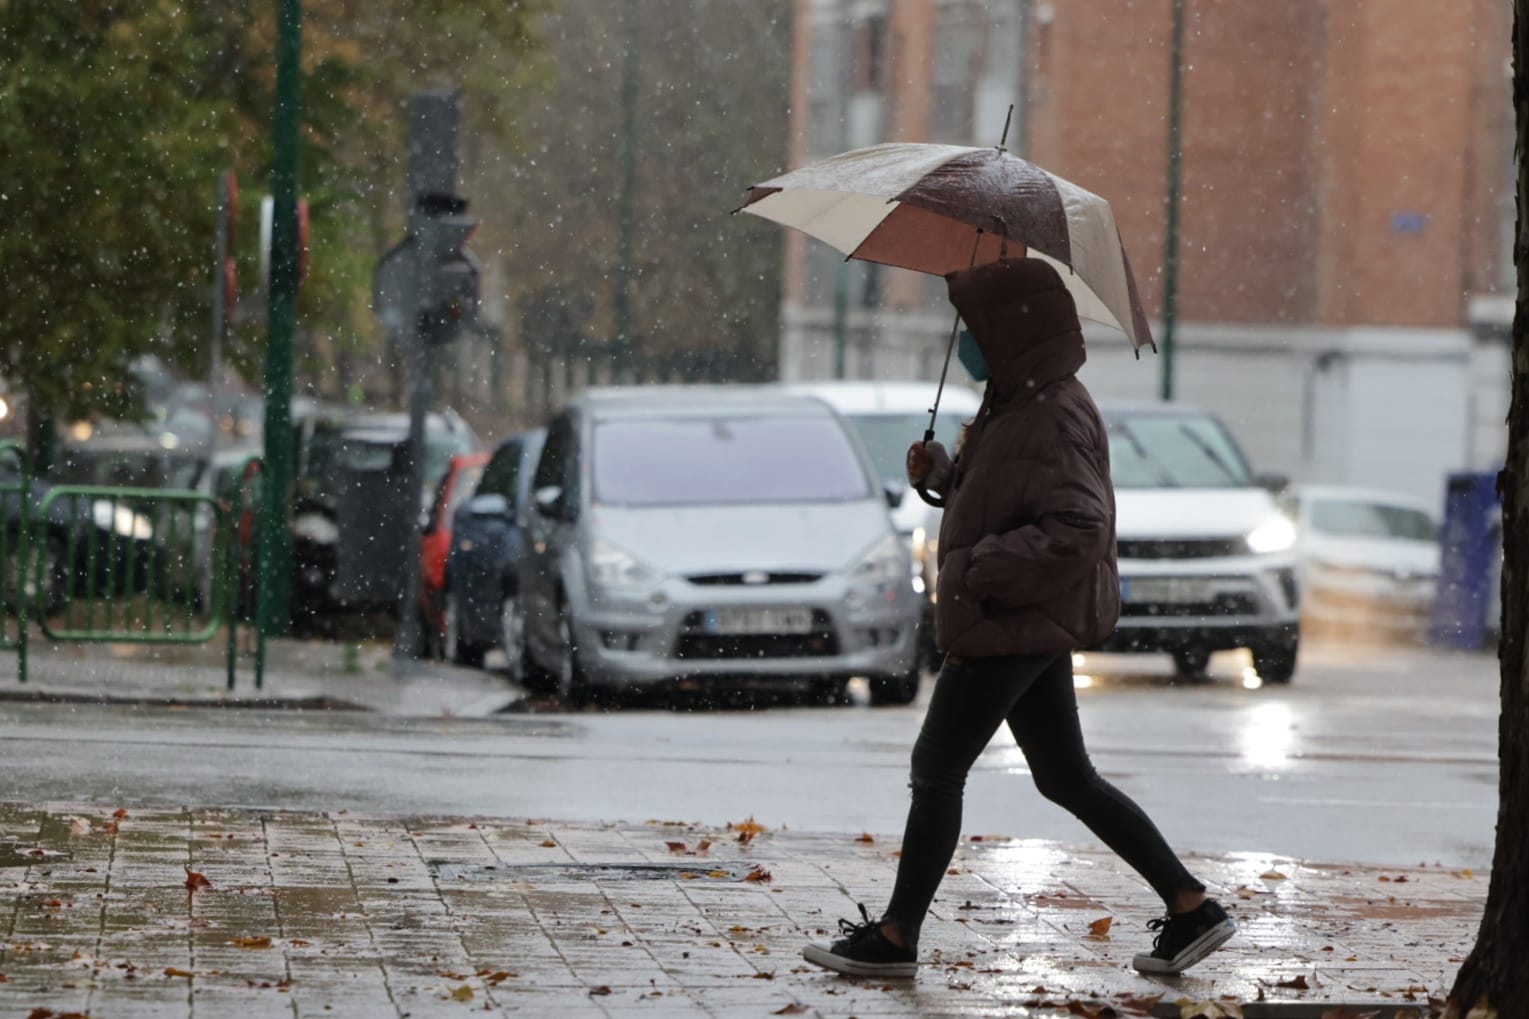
{"type": "Point", "coordinates": [1470, 549]}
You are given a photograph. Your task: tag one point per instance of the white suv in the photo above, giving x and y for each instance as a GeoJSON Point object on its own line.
{"type": "Point", "coordinates": [1207, 561]}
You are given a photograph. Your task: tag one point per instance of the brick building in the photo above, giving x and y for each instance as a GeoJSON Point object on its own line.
{"type": "Point", "coordinates": [1345, 218]}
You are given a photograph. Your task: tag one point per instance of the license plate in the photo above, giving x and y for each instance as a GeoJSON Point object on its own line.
{"type": "Point", "coordinates": [735, 622]}
{"type": "Point", "coordinates": [1167, 590]}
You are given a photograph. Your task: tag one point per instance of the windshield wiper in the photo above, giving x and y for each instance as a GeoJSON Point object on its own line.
{"type": "Point", "coordinates": [1164, 479]}
{"type": "Point", "coordinates": [1211, 455]}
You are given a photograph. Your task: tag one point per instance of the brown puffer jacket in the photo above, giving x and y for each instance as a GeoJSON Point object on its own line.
{"type": "Point", "coordinates": [1027, 545]}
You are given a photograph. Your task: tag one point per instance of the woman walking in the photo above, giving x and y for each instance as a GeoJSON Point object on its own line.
{"type": "Point", "coordinates": [1027, 575]}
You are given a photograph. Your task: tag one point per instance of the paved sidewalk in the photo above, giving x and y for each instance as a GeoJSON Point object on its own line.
{"type": "Point", "coordinates": [338, 675]}
{"type": "Point", "coordinates": [343, 915]}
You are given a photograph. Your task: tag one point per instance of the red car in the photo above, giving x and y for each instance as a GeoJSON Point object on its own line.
{"type": "Point", "coordinates": [456, 488]}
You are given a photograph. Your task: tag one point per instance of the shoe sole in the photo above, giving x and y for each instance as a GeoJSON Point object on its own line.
{"type": "Point", "coordinates": [1193, 952]}
{"type": "Point", "coordinates": [821, 956]}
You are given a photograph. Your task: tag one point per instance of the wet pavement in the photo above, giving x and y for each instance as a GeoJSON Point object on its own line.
{"type": "Point", "coordinates": [340, 914]}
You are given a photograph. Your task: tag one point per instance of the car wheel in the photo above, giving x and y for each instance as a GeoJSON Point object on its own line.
{"type": "Point", "coordinates": [571, 681]}
{"type": "Point", "coordinates": [1190, 663]}
{"type": "Point", "coordinates": [455, 648]}
{"type": "Point", "coordinates": [512, 637]}
{"type": "Point", "coordinates": [1275, 662]}
{"type": "Point", "coordinates": [895, 689]}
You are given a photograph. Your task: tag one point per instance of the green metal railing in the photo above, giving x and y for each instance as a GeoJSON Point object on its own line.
{"type": "Point", "coordinates": [93, 563]}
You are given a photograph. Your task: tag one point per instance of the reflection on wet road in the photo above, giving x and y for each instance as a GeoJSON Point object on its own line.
{"type": "Point", "coordinates": [1386, 757]}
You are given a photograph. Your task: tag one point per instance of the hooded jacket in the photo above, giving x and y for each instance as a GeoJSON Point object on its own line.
{"type": "Point", "coordinates": [1027, 543]}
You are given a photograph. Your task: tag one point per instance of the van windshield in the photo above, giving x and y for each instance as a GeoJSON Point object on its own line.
{"type": "Point", "coordinates": [888, 436]}
{"type": "Point", "coordinates": [725, 460]}
{"type": "Point", "coordinates": [1174, 451]}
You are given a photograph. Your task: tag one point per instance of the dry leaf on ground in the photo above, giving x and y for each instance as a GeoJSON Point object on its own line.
{"type": "Point", "coordinates": [463, 993]}
{"type": "Point", "coordinates": [1272, 875]}
{"type": "Point", "coordinates": [748, 826]}
{"type": "Point", "coordinates": [1100, 928]}
{"type": "Point", "coordinates": [174, 971]}
{"type": "Point", "coordinates": [260, 941]}
{"type": "Point", "coordinates": [195, 881]}
{"type": "Point", "coordinates": [759, 874]}
{"type": "Point", "coordinates": [119, 813]}
{"type": "Point", "coordinates": [792, 1009]}
{"type": "Point", "coordinates": [676, 847]}
{"type": "Point", "coordinates": [1295, 983]}
{"type": "Point", "coordinates": [866, 837]}
{"type": "Point", "coordinates": [599, 992]}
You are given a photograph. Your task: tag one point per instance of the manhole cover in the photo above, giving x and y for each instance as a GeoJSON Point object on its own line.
{"type": "Point", "coordinates": [445, 870]}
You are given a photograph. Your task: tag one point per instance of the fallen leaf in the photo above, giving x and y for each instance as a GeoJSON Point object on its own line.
{"type": "Point", "coordinates": [79, 826]}
{"type": "Point", "coordinates": [195, 880]}
{"type": "Point", "coordinates": [495, 979]}
{"type": "Point", "coordinates": [119, 813]}
{"type": "Point", "coordinates": [171, 971]}
{"type": "Point", "coordinates": [745, 837]}
{"type": "Point", "coordinates": [866, 837]}
{"type": "Point", "coordinates": [791, 1009]}
{"type": "Point", "coordinates": [759, 874]}
{"type": "Point", "coordinates": [702, 846]}
{"type": "Point", "coordinates": [54, 904]}
{"type": "Point", "coordinates": [1100, 928]}
{"type": "Point", "coordinates": [463, 993]}
{"type": "Point", "coordinates": [41, 1013]}
{"type": "Point", "coordinates": [675, 847]}
{"type": "Point", "coordinates": [1296, 983]}
{"type": "Point", "coordinates": [1272, 875]}
{"type": "Point", "coordinates": [261, 941]}
{"type": "Point", "coordinates": [599, 992]}
{"type": "Point", "coordinates": [548, 844]}
{"type": "Point", "coordinates": [717, 873]}
{"type": "Point", "coordinates": [748, 827]}
{"type": "Point", "coordinates": [109, 827]}
{"type": "Point", "coordinates": [299, 943]}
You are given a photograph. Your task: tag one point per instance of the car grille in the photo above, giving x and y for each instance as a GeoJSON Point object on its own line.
{"type": "Point", "coordinates": [751, 579]}
{"type": "Point", "coordinates": [1221, 605]}
{"type": "Point", "coordinates": [820, 642]}
{"type": "Point", "coordinates": [1180, 548]}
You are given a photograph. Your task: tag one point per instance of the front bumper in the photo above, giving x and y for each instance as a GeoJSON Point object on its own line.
{"type": "Point", "coordinates": [667, 633]}
{"type": "Point", "coordinates": [1213, 604]}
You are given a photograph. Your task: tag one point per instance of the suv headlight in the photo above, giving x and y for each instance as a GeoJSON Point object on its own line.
{"type": "Point", "coordinates": [1273, 535]}
{"type": "Point", "coordinates": [114, 517]}
{"type": "Point", "coordinates": [885, 562]}
{"type": "Point", "coordinates": [609, 566]}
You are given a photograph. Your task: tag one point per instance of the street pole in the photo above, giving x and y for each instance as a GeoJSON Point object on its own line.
{"type": "Point", "coordinates": [1171, 230]}
{"type": "Point", "coordinates": [281, 320]}
{"type": "Point", "coordinates": [626, 358]}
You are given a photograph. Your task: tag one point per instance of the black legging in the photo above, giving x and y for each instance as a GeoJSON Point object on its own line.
{"type": "Point", "coordinates": [1035, 695]}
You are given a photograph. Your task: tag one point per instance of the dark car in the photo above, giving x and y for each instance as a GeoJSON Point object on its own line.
{"type": "Point", "coordinates": [482, 568]}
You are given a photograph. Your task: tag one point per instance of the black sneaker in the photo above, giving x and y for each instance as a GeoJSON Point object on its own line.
{"type": "Point", "coordinates": [1183, 939]}
{"type": "Point", "coordinates": [863, 952]}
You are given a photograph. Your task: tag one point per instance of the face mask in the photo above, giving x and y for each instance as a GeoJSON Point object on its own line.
{"type": "Point", "coordinates": [971, 356]}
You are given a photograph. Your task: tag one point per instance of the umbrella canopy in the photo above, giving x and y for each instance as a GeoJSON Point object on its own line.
{"type": "Point", "coordinates": [942, 208]}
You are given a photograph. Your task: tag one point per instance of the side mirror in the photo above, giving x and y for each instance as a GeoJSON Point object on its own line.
{"type": "Point", "coordinates": [549, 502]}
{"type": "Point", "coordinates": [488, 506]}
{"type": "Point", "coordinates": [894, 492]}
{"type": "Point", "coordinates": [1275, 484]}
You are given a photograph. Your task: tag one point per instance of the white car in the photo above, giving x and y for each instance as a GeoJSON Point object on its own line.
{"type": "Point", "coordinates": [888, 417]}
{"type": "Point", "coordinates": [1368, 560]}
{"type": "Point", "coordinates": [1206, 558]}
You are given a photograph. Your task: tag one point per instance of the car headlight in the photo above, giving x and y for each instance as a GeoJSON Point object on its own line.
{"type": "Point", "coordinates": [317, 528]}
{"type": "Point", "coordinates": [609, 566]}
{"type": "Point", "coordinates": [111, 516]}
{"type": "Point", "coordinates": [884, 562]}
{"type": "Point", "coordinates": [1273, 535]}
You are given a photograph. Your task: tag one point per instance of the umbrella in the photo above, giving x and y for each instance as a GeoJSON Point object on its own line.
{"type": "Point", "coordinates": [942, 208]}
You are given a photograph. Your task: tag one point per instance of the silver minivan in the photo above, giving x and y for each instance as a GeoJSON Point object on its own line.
{"type": "Point", "coordinates": [728, 536]}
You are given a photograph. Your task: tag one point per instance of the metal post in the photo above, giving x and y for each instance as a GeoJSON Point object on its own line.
{"type": "Point", "coordinates": [410, 636]}
{"type": "Point", "coordinates": [626, 358]}
{"type": "Point", "coordinates": [281, 321]}
{"type": "Point", "coordinates": [1171, 230]}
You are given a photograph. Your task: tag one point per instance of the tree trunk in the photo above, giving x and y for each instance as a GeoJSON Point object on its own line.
{"type": "Point", "coordinates": [1495, 978]}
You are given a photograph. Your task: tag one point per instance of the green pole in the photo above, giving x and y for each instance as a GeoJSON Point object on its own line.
{"type": "Point", "coordinates": [281, 320]}
{"type": "Point", "coordinates": [841, 317]}
{"type": "Point", "coordinates": [627, 359]}
{"type": "Point", "coordinates": [1171, 230]}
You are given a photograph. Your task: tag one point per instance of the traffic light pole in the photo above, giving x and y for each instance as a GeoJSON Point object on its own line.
{"type": "Point", "coordinates": [274, 616]}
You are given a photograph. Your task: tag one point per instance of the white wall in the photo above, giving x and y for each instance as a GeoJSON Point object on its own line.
{"type": "Point", "coordinates": [1388, 408]}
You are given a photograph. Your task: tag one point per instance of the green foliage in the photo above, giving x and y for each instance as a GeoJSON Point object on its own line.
{"type": "Point", "coordinates": [116, 120]}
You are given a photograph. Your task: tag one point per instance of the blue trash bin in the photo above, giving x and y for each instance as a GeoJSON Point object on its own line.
{"type": "Point", "coordinates": [1469, 544]}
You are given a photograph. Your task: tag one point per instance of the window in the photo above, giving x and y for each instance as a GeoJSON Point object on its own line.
{"type": "Point", "coordinates": [1352, 519]}
{"type": "Point", "coordinates": [503, 470]}
{"type": "Point", "coordinates": [1174, 451]}
{"type": "Point", "coordinates": [725, 460]}
{"type": "Point", "coordinates": [556, 466]}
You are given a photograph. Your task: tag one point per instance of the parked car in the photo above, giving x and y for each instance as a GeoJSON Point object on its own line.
{"type": "Point", "coordinates": [349, 525]}
{"type": "Point", "coordinates": [462, 474]}
{"type": "Point", "coordinates": [1367, 560]}
{"type": "Point", "coordinates": [482, 576]}
{"type": "Point", "coordinates": [888, 417]}
{"type": "Point", "coordinates": [1207, 561]}
{"type": "Point", "coordinates": [732, 537]}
